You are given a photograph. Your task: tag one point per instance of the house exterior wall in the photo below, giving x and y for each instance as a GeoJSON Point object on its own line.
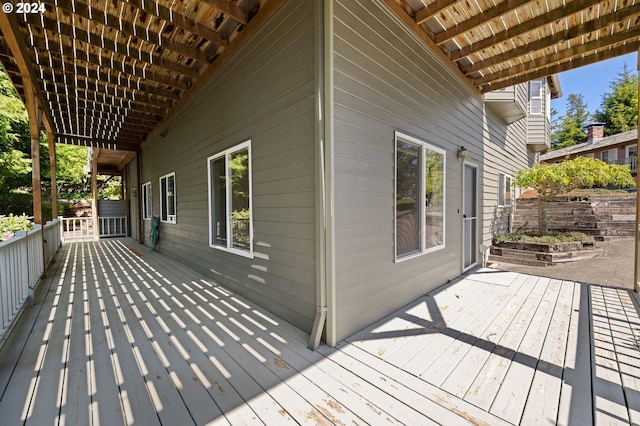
{"type": "Point", "coordinates": [264, 94]}
{"type": "Point", "coordinates": [506, 153]}
{"type": "Point", "coordinates": [386, 80]}
{"type": "Point", "coordinates": [539, 126]}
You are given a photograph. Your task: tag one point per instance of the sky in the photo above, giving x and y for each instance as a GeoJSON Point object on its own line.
{"type": "Point", "coordinates": [592, 81]}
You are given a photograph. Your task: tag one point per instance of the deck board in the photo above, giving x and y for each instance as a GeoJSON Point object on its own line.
{"type": "Point", "coordinates": [511, 397]}
{"type": "Point", "coordinates": [124, 337]}
{"type": "Point", "coordinates": [461, 378]}
{"type": "Point", "coordinates": [542, 404]}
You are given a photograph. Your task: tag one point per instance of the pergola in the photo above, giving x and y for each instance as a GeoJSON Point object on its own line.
{"type": "Point", "coordinates": [110, 74]}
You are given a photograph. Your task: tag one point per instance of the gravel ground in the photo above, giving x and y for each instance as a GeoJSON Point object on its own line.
{"type": "Point", "coordinates": [614, 268]}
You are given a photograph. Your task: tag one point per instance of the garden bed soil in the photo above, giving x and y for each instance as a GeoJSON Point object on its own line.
{"type": "Point", "coordinates": [543, 254]}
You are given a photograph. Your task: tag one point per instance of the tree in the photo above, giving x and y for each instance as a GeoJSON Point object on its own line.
{"type": "Point", "coordinates": [570, 129]}
{"type": "Point", "coordinates": [551, 180]}
{"type": "Point", "coordinates": [619, 107]}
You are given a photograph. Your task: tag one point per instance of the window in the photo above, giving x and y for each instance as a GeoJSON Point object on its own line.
{"type": "Point", "coordinates": [604, 156]}
{"type": "Point", "coordinates": [535, 97]}
{"type": "Point", "coordinates": [230, 216]}
{"type": "Point", "coordinates": [504, 190]}
{"type": "Point", "coordinates": [168, 198]}
{"type": "Point", "coordinates": [147, 208]}
{"type": "Point", "coordinates": [420, 197]}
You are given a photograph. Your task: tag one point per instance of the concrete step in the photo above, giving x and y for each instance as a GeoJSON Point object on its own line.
{"type": "Point", "coordinates": [517, 261]}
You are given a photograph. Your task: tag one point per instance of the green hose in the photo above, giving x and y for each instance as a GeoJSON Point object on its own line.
{"type": "Point", "coordinates": [154, 235]}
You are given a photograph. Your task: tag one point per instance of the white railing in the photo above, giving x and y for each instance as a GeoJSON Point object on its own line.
{"type": "Point", "coordinates": [77, 228]}
{"type": "Point", "coordinates": [113, 226]}
{"type": "Point", "coordinates": [23, 259]}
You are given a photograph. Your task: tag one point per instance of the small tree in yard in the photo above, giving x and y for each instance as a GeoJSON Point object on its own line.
{"type": "Point", "coordinates": [551, 180]}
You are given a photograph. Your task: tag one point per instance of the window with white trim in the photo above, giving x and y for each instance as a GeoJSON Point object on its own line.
{"type": "Point", "coordinates": [168, 198]}
{"type": "Point", "coordinates": [604, 156]}
{"type": "Point", "coordinates": [420, 197]}
{"type": "Point", "coordinates": [230, 215]}
{"type": "Point", "coordinates": [535, 97]}
{"type": "Point", "coordinates": [504, 190]}
{"type": "Point", "coordinates": [147, 207]}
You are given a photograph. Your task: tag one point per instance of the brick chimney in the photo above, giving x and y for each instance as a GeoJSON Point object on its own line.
{"type": "Point", "coordinates": [595, 132]}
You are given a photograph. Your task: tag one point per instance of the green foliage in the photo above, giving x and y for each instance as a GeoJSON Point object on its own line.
{"type": "Point", "coordinates": [72, 182]}
{"type": "Point", "coordinates": [11, 224]}
{"type": "Point", "coordinates": [556, 237]}
{"type": "Point", "coordinates": [581, 172]}
{"type": "Point", "coordinates": [619, 107]}
{"type": "Point", "coordinates": [570, 129]}
{"type": "Point", "coordinates": [110, 188]}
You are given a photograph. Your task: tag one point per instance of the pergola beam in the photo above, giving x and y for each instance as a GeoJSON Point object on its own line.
{"type": "Point", "coordinates": [97, 143]}
{"type": "Point", "coordinates": [482, 18]}
{"type": "Point", "coordinates": [433, 9]}
{"type": "Point", "coordinates": [230, 9]}
{"type": "Point", "coordinates": [101, 17]}
{"type": "Point", "coordinates": [547, 70]}
{"type": "Point", "coordinates": [563, 36]}
{"type": "Point", "coordinates": [558, 57]}
{"type": "Point", "coordinates": [179, 20]}
{"type": "Point", "coordinates": [126, 50]}
{"type": "Point", "coordinates": [511, 33]}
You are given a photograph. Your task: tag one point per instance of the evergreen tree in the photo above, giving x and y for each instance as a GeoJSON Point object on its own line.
{"type": "Point", "coordinates": [619, 107]}
{"type": "Point", "coordinates": [568, 129]}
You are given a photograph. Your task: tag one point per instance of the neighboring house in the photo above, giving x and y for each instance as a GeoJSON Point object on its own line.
{"type": "Point", "coordinates": [236, 180]}
{"type": "Point", "coordinates": [615, 149]}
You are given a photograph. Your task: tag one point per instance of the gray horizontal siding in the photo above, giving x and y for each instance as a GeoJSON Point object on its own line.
{"type": "Point", "coordinates": [112, 208]}
{"type": "Point", "coordinates": [385, 83]}
{"type": "Point", "coordinates": [386, 80]}
{"type": "Point", "coordinates": [263, 94]}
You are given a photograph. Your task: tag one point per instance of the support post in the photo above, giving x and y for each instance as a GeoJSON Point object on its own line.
{"type": "Point", "coordinates": [636, 278]}
{"type": "Point", "coordinates": [35, 123]}
{"type": "Point", "coordinates": [54, 187]}
{"type": "Point", "coordinates": [94, 193]}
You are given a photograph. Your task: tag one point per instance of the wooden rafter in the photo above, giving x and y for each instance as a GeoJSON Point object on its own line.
{"type": "Point", "coordinates": [101, 17]}
{"type": "Point", "coordinates": [70, 34]}
{"type": "Point", "coordinates": [504, 42]}
{"type": "Point", "coordinates": [177, 19]}
{"type": "Point", "coordinates": [599, 43]}
{"type": "Point", "coordinates": [230, 9]}
{"type": "Point", "coordinates": [621, 15]}
{"type": "Point", "coordinates": [530, 25]}
{"type": "Point", "coordinates": [430, 11]}
{"type": "Point", "coordinates": [110, 83]}
{"type": "Point", "coordinates": [546, 70]}
{"type": "Point", "coordinates": [500, 9]}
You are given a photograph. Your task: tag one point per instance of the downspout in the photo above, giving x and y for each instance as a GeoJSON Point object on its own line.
{"type": "Point", "coordinates": [325, 228]}
{"type": "Point", "coordinates": [636, 272]}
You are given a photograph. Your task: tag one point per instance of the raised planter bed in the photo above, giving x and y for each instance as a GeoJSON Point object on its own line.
{"type": "Point", "coordinates": [541, 254]}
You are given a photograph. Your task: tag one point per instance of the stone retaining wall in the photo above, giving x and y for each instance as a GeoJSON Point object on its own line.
{"type": "Point", "coordinates": [599, 215]}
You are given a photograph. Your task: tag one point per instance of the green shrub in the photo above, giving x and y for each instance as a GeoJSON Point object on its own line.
{"type": "Point", "coordinates": [11, 224]}
{"type": "Point", "coordinates": [552, 238]}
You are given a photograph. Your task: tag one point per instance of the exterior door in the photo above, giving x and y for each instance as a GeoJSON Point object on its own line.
{"type": "Point", "coordinates": [470, 216]}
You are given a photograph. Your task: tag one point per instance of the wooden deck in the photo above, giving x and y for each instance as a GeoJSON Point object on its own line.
{"type": "Point", "coordinates": [121, 336]}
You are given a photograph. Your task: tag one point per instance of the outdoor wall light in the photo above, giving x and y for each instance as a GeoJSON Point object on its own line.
{"type": "Point", "coordinates": [462, 152]}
